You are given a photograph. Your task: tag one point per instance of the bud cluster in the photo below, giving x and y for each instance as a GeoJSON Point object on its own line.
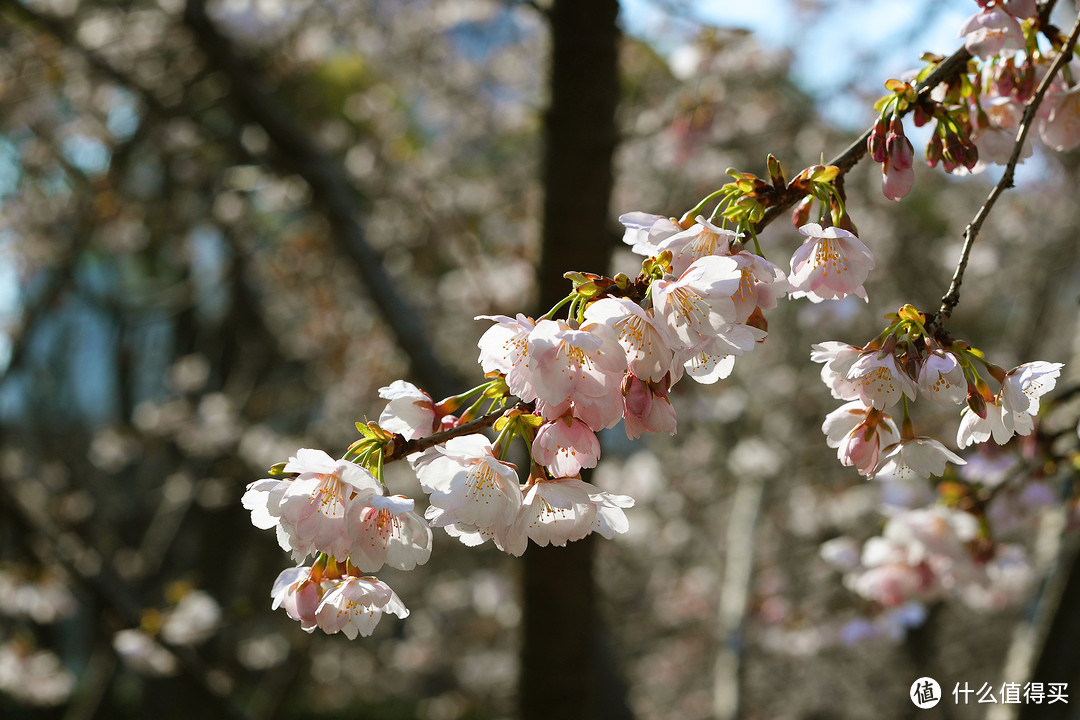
{"type": "Point", "coordinates": [977, 113]}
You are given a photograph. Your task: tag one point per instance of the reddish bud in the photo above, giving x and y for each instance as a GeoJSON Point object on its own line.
{"type": "Point", "coordinates": [933, 151]}
{"type": "Point", "coordinates": [801, 214]}
{"type": "Point", "coordinates": [876, 142]}
{"type": "Point", "coordinates": [976, 402]}
{"type": "Point", "coordinates": [757, 320]}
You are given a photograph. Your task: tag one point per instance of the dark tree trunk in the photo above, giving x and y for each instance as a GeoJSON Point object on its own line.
{"type": "Point", "coordinates": [561, 676]}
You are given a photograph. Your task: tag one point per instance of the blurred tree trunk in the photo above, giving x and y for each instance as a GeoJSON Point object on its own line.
{"type": "Point", "coordinates": [561, 676]}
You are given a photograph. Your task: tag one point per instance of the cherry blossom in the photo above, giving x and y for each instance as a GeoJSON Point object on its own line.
{"type": "Point", "coordinates": [831, 264]}
{"type": "Point", "coordinates": [610, 516]}
{"type": "Point", "coordinates": [565, 445]}
{"type": "Point", "coordinates": [888, 578]}
{"type": "Point", "coordinates": [708, 367]}
{"type": "Point", "coordinates": [474, 495]}
{"type": "Point", "coordinates": [921, 457]}
{"type": "Point", "coordinates": [995, 131]}
{"type": "Point", "coordinates": [355, 605]}
{"type": "Point", "coordinates": [1061, 127]}
{"type": "Point", "coordinates": [858, 433]}
{"type": "Point", "coordinates": [1020, 8]}
{"type": "Point", "coordinates": [299, 594]}
{"type": "Point", "coordinates": [920, 555]}
{"type": "Point", "coordinates": [897, 171]}
{"type": "Point", "coordinates": [565, 509]}
{"type": "Point", "coordinates": [975, 429]}
{"type": "Point", "coordinates": [638, 332]}
{"type": "Point", "coordinates": [312, 507]}
{"type": "Point", "coordinates": [941, 378]}
{"type": "Point", "coordinates": [698, 241]}
{"type": "Point", "coordinates": [504, 348]}
{"type": "Point", "coordinates": [760, 286]}
{"type": "Point", "coordinates": [697, 308]}
{"type": "Point", "coordinates": [583, 366]}
{"type": "Point", "coordinates": [1024, 385]}
{"type": "Point", "coordinates": [838, 358]}
{"type": "Point", "coordinates": [308, 512]}
{"type": "Point", "coordinates": [879, 380]}
{"type": "Point", "coordinates": [646, 407]}
{"type": "Point", "coordinates": [410, 412]}
{"type": "Point", "coordinates": [992, 31]}
{"type": "Point", "coordinates": [385, 531]}
{"type": "Point", "coordinates": [645, 231]}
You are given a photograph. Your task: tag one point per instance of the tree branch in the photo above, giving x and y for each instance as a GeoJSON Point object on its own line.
{"type": "Point", "coordinates": [408, 447]}
{"type": "Point", "coordinates": [850, 157]}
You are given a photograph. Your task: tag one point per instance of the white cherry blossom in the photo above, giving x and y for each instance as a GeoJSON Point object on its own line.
{"type": "Point", "coordinates": [974, 429]}
{"type": "Point", "coordinates": [410, 412]}
{"type": "Point", "coordinates": [879, 380]}
{"type": "Point", "coordinates": [644, 231]}
{"type": "Point", "coordinates": [921, 457]}
{"type": "Point", "coordinates": [557, 511]}
{"type": "Point", "coordinates": [832, 263]}
{"type": "Point", "coordinates": [638, 332]}
{"type": "Point", "coordinates": [308, 512]}
{"type": "Point", "coordinates": [295, 591]}
{"type": "Point", "coordinates": [992, 31]}
{"type": "Point", "coordinates": [698, 241]}
{"type": "Point", "coordinates": [565, 445]}
{"type": "Point", "coordinates": [385, 530]}
{"type": "Point", "coordinates": [583, 366]}
{"type": "Point", "coordinates": [858, 433]}
{"type": "Point", "coordinates": [354, 605]}
{"type": "Point", "coordinates": [474, 495]}
{"type": "Point", "coordinates": [838, 358]}
{"type": "Point", "coordinates": [1024, 385]}
{"type": "Point", "coordinates": [504, 348]}
{"type": "Point", "coordinates": [761, 285]}
{"type": "Point", "coordinates": [646, 407]}
{"type": "Point", "coordinates": [312, 507]}
{"type": "Point", "coordinates": [941, 378]}
{"type": "Point", "coordinates": [697, 308]}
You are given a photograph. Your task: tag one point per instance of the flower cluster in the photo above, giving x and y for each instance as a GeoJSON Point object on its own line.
{"type": "Point", "coordinates": [978, 113]}
{"type": "Point", "coordinates": [610, 352]}
{"type": "Point", "coordinates": [552, 382]}
{"type": "Point", "coordinates": [925, 553]}
{"type": "Point", "coordinates": [903, 363]}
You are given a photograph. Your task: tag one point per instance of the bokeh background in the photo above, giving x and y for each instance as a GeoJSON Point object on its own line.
{"type": "Point", "coordinates": [223, 227]}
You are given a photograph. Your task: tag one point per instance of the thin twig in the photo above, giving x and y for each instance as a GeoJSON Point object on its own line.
{"type": "Point", "coordinates": [952, 296]}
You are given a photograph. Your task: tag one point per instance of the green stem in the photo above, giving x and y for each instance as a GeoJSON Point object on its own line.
{"type": "Point", "coordinates": [705, 201]}
{"type": "Point", "coordinates": [551, 313]}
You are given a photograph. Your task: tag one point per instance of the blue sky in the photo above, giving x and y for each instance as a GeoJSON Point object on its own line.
{"type": "Point", "coordinates": [863, 42]}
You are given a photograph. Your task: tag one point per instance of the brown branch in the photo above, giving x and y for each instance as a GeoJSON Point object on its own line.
{"type": "Point", "coordinates": [405, 447]}
{"type": "Point", "coordinates": [952, 296]}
